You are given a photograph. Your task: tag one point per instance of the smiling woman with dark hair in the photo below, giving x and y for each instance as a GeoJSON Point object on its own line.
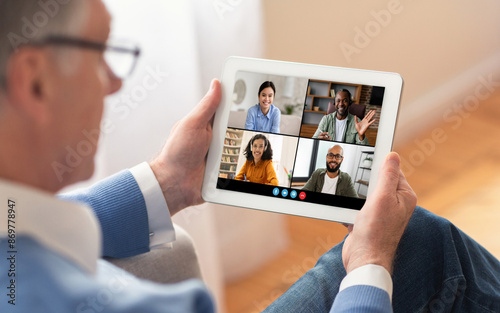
{"type": "Point", "coordinates": [264, 116]}
{"type": "Point", "coordinates": [259, 165]}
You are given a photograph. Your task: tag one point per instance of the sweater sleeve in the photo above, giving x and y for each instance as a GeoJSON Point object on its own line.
{"type": "Point", "coordinates": [361, 299]}
{"type": "Point", "coordinates": [121, 209]}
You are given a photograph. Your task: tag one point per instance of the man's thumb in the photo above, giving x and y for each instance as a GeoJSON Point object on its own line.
{"type": "Point", "coordinates": [388, 177]}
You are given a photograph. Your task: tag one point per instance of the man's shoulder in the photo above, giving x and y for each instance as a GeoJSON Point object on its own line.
{"type": "Point", "coordinates": [328, 121]}
{"type": "Point", "coordinates": [45, 274]}
{"type": "Point", "coordinates": [319, 171]}
{"type": "Point", "coordinates": [344, 179]}
{"type": "Point", "coordinates": [315, 182]}
{"type": "Point", "coordinates": [42, 266]}
{"type": "Point", "coordinates": [344, 175]}
{"type": "Point", "coordinates": [330, 117]}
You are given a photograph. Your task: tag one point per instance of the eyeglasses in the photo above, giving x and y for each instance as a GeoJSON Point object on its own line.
{"type": "Point", "coordinates": [121, 58]}
{"type": "Point", "coordinates": [337, 157]}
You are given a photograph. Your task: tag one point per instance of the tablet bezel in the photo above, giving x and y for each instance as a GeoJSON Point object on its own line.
{"type": "Point", "coordinates": [392, 82]}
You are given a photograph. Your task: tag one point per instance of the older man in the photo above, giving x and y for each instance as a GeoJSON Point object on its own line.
{"type": "Point", "coordinates": [331, 179]}
{"type": "Point", "coordinates": [54, 80]}
{"type": "Point", "coordinates": [342, 126]}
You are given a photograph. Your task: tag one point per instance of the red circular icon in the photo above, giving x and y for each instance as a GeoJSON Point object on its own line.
{"type": "Point", "coordinates": [302, 195]}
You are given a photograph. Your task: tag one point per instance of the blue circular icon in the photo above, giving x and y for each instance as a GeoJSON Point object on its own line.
{"type": "Point", "coordinates": [293, 194]}
{"type": "Point", "coordinates": [284, 193]}
{"type": "Point", "coordinates": [276, 191]}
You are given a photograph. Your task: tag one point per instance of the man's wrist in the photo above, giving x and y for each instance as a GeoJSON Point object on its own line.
{"type": "Point", "coordinates": [174, 194]}
{"type": "Point", "coordinates": [156, 167]}
{"type": "Point", "coordinates": [361, 257]}
{"type": "Point", "coordinates": [370, 275]}
{"type": "Point", "coordinates": [352, 266]}
{"type": "Point", "coordinates": [160, 223]}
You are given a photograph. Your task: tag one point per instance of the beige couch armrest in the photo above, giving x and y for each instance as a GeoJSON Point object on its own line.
{"type": "Point", "coordinates": [165, 265]}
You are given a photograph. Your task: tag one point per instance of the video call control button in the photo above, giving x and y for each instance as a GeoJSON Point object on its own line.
{"type": "Point", "coordinates": [302, 195]}
{"type": "Point", "coordinates": [293, 194]}
{"type": "Point", "coordinates": [284, 193]}
{"type": "Point", "coordinates": [276, 191]}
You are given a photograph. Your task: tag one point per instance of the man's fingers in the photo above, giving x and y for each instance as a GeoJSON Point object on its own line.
{"type": "Point", "coordinates": [389, 173]}
{"type": "Point", "coordinates": [405, 189]}
{"type": "Point", "coordinates": [369, 116]}
{"type": "Point", "coordinates": [348, 226]}
{"type": "Point", "coordinates": [205, 110]}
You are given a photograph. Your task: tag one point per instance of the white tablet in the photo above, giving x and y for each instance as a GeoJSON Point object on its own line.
{"type": "Point", "coordinates": [300, 139]}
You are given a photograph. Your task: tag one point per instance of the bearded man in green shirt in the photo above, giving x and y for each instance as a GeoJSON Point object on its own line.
{"type": "Point", "coordinates": [341, 125]}
{"type": "Point", "coordinates": [331, 179]}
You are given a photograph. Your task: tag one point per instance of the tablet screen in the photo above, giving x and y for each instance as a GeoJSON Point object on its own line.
{"type": "Point", "coordinates": [300, 139]}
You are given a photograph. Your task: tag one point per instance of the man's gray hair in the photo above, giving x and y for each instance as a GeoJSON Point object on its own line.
{"type": "Point", "coordinates": [25, 21]}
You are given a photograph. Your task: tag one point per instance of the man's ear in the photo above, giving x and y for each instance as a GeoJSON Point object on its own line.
{"type": "Point", "coordinates": [27, 83]}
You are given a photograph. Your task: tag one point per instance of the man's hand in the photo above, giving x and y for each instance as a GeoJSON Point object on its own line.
{"type": "Point", "coordinates": [181, 164]}
{"type": "Point", "coordinates": [324, 135]}
{"type": "Point", "coordinates": [378, 227]}
{"type": "Point", "coordinates": [363, 125]}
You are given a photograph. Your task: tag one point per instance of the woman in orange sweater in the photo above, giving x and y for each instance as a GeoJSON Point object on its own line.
{"type": "Point", "coordinates": [259, 165]}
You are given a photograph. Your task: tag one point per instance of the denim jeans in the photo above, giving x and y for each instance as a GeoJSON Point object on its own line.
{"type": "Point", "coordinates": [438, 268]}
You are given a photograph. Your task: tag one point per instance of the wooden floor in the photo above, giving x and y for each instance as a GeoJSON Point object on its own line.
{"type": "Point", "coordinates": [453, 167]}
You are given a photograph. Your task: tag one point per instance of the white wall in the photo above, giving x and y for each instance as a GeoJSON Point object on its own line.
{"type": "Point", "coordinates": [142, 118]}
{"type": "Point", "coordinates": [440, 48]}
{"type": "Point", "coordinates": [252, 83]}
{"type": "Point", "coordinates": [303, 159]}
